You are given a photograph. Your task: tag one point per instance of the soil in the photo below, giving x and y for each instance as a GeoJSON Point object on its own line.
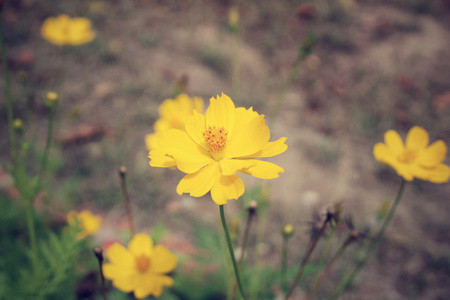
{"type": "Point", "coordinates": [377, 65]}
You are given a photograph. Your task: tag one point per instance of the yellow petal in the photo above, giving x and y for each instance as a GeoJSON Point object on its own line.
{"type": "Point", "coordinates": [119, 255]}
{"type": "Point", "coordinates": [394, 142]}
{"type": "Point", "coordinates": [433, 155]}
{"type": "Point", "coordinates": [195, 127]}
{"type": "Point", "coordinates": [232, 166]}
{"type": "Point", "coordinates": [188, 155]}
{"type": "Point", "coordinates": [417, 139]}
{"type": "Point", "coordinates": [221, 113]}
{"type": "Point", "coordinates": [152, 285]}
{"type": "Point", "coordinates": [384, 154]}
{"type": "Point", "coordinates": [438, 174]}
{"type": "Point", "coordinates": [127, 283]}
{"type": "Point", "coordinates": [248, 139]}
{"type": "Point", "coordinates": [162, 260]}
{"type": "Point", "coordinates": [264, 170]}
{"type": "Point", "coordinates": [141, 244]}
{"type": "Point", "coordinates": [270, 149]}
{"type": "Point", "coordinates": [112, 271]}
{"type": "Point", "coordinates": [200, 182]}
{"type": "Point", "coordinates": [226, 188]}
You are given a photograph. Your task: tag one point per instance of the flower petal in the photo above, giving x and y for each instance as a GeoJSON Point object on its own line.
{"type": "Point", "coordinates": [232, 166]}
{"type": "Point", "coordinates": [152, 285]}
{"type": "Point", "coordinates": [264, 170]}
{"type": "Point", "coordinates": [270, 149]}
{"type": "Point", "coordinates": [112, 271]}
{"type": "Point", "coordinates": [141, 244]}
{"type": "Point", "coordinates": [127, 283]}
{"type": "Point", "coordinates": [394, 142]}
{"type": "Point", "coordinates": [385, 155]}
{"type": "Point", "coordinates": [249, 138]}
{"type": "Point", "coordinates": [438, 174]}
{"type": "Point", "coordinates": [417, 139]}
{"type": "Point", "coordinates": [162, 260]}
{"type": "Point", "coordinates": [199, 183]}
{"type": "Point", "coordinates": [119, 255]}
{"type": "Point", "coordinates": [433, 155]}
{"type": "Point", "coordinates": [158, 158]}
{"type": "Point", "coordinates": [226, 188]}
{"type": "Point", "coordinates": [221, 113]}
{"type": "Point", "coordinates": [195, 127]}
{"type": "Point", "coordinates": [188, 155]}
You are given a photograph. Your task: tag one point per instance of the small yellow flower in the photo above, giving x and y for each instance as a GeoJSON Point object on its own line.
{"type": "Point", "coordinates": [89, 223]}
{"type": "Point", "coordinates": [141, 268]}
{"type": "Point", "coordinates": [415, 158]}
{"type": "Point", "coordinates": [173, 113]}
{"type": "Point", "coordinates": [63, 30]}
{"type": "Point", "coordinates": [216, 146]}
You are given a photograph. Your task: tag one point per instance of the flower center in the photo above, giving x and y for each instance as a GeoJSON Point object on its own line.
{"type": "Point", "coordinates": [216, 139]}
{"type": "Point", "coordinates": [142, 262]}
{"type": "Point", "coordinates": [407, 156]}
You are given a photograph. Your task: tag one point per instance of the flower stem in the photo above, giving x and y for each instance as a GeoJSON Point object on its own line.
{"type": "Point", "coordinates": [345, 283]}
{"type": "Point", "coordinates": [307, 257]}
{"type": "Point", "coordinates": [230, 248]}
{"type": "Point", "coordinates": [284, 256]}
{"type": "Point", "coordinates": [98, 252]}
{"type": "Point", "coordinates": [123, 185]}
{"type": "Point", "coordinates": [47, 148]}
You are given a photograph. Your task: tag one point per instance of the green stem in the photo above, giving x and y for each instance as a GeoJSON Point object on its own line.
{"type": "Point", "coordinates": [230, 248]}
{"type": "Point", "coordinates": [31, 232]}
{"type": "Point", "coordinates": [284, 255]}
{"type": "Point", "coordinates": [47, 147]}
{"type": "Point", "coordinates": [345, 283]}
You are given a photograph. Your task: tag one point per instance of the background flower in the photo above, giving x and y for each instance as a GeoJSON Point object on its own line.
{"type": "Point", "coordinates": [217, 145]}
{"type": "Point", "coordinates": [173, 113]}
{"type": "Point", "coordinates": [415, 158]}
{"type": "Point", "coordinates": [63, 30]}
{"type": "Point", "coordinates": [141, 268]}
{"type": "Point", "coordinates": [89, 223]}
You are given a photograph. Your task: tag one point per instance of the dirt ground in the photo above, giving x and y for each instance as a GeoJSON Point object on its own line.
{"type": "Point", "coordinates": [377, 65]}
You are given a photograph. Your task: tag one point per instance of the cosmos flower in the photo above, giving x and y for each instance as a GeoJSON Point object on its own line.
{"type": "Point", "coordinates": [216, 146]}
{"type": "Point", "coordinates": [64, 30]}
{"type": "Point", "coordinates": [415, 158]}
{"type": "Point", "coordinates": [173, 113]}
{"type": "Point", "coordinates": [141, 268]}
{"type": "Point", "coordinates": [88, 223]}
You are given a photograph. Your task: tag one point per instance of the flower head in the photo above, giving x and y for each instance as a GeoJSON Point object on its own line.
{"type": "Point", "coordinates": [141, 268]}
{"type": "Point", "coordinates": [216, 146]}
{"type": "Point", "coordinates": [173, 113]}
{"type": "Point", "coordinates": [63, 30]}
{"type": "Point", "coordinates": [414, 158]}
{"type": "Point", "coordinates": [88, 223]}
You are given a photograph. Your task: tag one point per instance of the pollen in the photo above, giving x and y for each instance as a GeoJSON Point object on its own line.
{"type": "Point", "coordinates": [142, 262]}
{"type": "Point", "coordinates": [407, 156]}
{"type": "Point", "coordinates": [215, 138]}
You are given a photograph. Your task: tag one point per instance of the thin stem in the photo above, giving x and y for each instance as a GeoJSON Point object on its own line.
{"type": "Point", "coordinates": [123, 185]}
{"type": "Point", "coordinates": [9, 106]}
{"type": "Point", "coordinates": [48, 144]}
{"type": "Point", "coordinates": [230, 248]}
{"type": "Point", "coordinates": [284, 255]}
{"type": "Point", "coordinates": [251, 214]}
{"type": "Point", "coordinates": [346, 282]}
{"type": "Point", "coordinates": [98, 252]}
{"type": "Point", "coordinates": [306, 258]}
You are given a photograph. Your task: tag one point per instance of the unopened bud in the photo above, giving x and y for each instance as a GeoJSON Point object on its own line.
{"type": "Point", "coordinates": [18, 125]}
{"type": "Point", "coordinates": [288, 231]}
{"type": "Point", "coordinates": [98, 252]}
{"type": "Point", "coordinates": [51, 99]}
{"type": "Point", "coordinates": [122, 171]}
{"type": "Point", "coordinates": [253, 206]}
{"type": "Point", "coordinates": [233, 19]}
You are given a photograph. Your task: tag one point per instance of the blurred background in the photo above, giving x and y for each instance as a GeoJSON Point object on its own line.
{"type": "Point", "coordinates": [374, 66]}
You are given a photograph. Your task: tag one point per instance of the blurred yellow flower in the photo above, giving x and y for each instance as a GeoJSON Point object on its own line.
{"type": "Point", "coordinates": [89, 223]}
{"type": "Point", "coordinates": [141, 268]}
{"type": "Point", "coordinates": [216, 146]}
{"type": "Point", "coordinates": [173, 113]}
{"type": "Point", "coordinates": [63, 30]}
{"type": "Point", "coordinates": [415, 158]}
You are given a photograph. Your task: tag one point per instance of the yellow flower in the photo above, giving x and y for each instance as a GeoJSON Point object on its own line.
{"type": "Point", "coordinates": [416, 158]}
{"type": "Point", "coordinates": [89, 223]}
{"type": "Point", "coordinates": [216, 146]}
{"type": "Point", "coordinates": [141, 268]}
{"type": "Point", "coordinates": [173, 114]}
{"type": "Point", "coordinates": [63, 30]}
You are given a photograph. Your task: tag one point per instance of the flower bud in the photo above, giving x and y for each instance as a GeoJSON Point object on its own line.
{"type": "Point", "coordinates": [18, 125]}
{"type": "Point", "coordinates": [233, 19]}
{"type": "Point", "coordinates": [51, 98]}
{"type": "Point", "coordinates": [288, 231]}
